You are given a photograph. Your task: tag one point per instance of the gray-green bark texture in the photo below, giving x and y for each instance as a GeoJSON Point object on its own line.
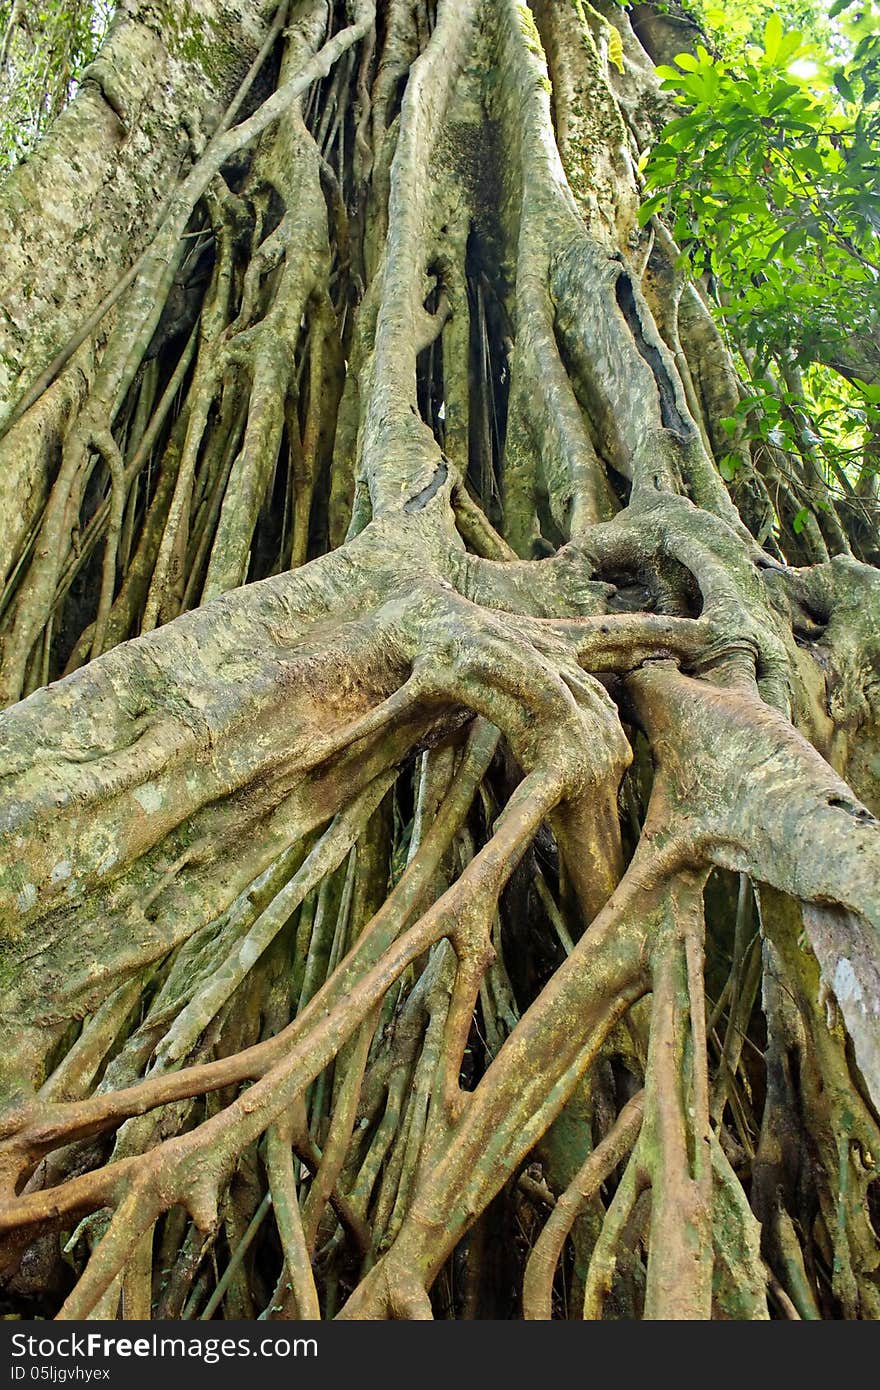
{"type": "Point", "coordinates": [439, 873]}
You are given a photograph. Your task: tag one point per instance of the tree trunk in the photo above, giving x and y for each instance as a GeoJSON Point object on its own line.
{"type": "Point", "coordinates": [76, 213]}
{"type": "Point", "coordinates": [431, 799]}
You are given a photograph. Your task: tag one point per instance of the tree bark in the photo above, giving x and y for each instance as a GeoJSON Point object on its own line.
{"type": "Point", "coordinates": [414, 751]}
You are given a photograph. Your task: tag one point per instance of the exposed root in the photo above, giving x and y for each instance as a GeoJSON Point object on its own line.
{"type": "Point", "coordinates": [507, 843]}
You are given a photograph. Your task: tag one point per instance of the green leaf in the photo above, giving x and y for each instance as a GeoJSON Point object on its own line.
{"type": "Point", "coordinates": [843, 85]}
{"type": "Point", "coordinates": [838, 8]}
{"type": "Point", "coordinates": [871, 393]}
{"type": "Point", "coordinates": [772, 36]}
{"type": "Point", "coordinates": [800, 520]}
{"type": "Point", "coordinates": [789, 45]}
{"type": "Point", "coordinates": [729, 466]}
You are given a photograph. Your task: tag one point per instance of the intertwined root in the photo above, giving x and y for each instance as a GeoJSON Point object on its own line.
{"type": "Point", "coordinates": [424, 888]}
{"type": "Point", "coordinates": [405, 1193]}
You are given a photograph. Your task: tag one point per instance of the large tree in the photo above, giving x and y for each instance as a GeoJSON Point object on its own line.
{"type": "Point", "coordinates": [438, 867]}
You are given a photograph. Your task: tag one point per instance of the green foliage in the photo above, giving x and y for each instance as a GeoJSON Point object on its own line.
{"type": "Point", "coordinates": [773, 185]}
{"type": "Point", "coordinates": [770, 182]}
{"type": "Point", "coordinates": [43, 49]}
{"type": "Point", "coordinates": [734, 27]}
{"type": "Point", "coordinates": [828, 416]}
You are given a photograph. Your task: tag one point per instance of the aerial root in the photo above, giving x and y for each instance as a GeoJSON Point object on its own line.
{"type": "Point", "coordinates": [595, 1170]}
{"type": "Point", "coordinates": [176, 1170]}
{"type": "Point", "coordinates": [148, 284]}
{"type": "Point", "coordinates": [802, 803]}
{"type": "Point", "coordinates": [671, 1157]}
{"type": "Point", "coordinates": [675, 1135]}
{"type": "Point", "coordinates": [525, 1086]}
{"type": "Point", "coordinates": [190, 1168]}
{"type": "Point", "coordinates": [297, 1264]}
{"type": "Point", "coordinates": [35, 1128]}
{"type": "Point", "coordinates": [326, 855]}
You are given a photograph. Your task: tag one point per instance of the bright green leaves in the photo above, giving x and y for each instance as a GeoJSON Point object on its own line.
{"type": "Point", "coordinates": [771, 182]}
{"type": "Point", "coordinates": [47, 48]}
{"type": "Point", "coordinates": [870, 393]}
{"type": "Point", "coordinates": [772, 37]}
{"type": "Point", "coordinates": [779, 47]}
{"type": "Point", "coordinates": [769, 179]}
{"type": "Point", "coordinates": [844, 86]}
{"type": "Point", "coordinates": [698, 80]}
{"type": "Point", "coordinates": [772, 417]}
{"type": "Point", "coordinates": [728, 466]}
